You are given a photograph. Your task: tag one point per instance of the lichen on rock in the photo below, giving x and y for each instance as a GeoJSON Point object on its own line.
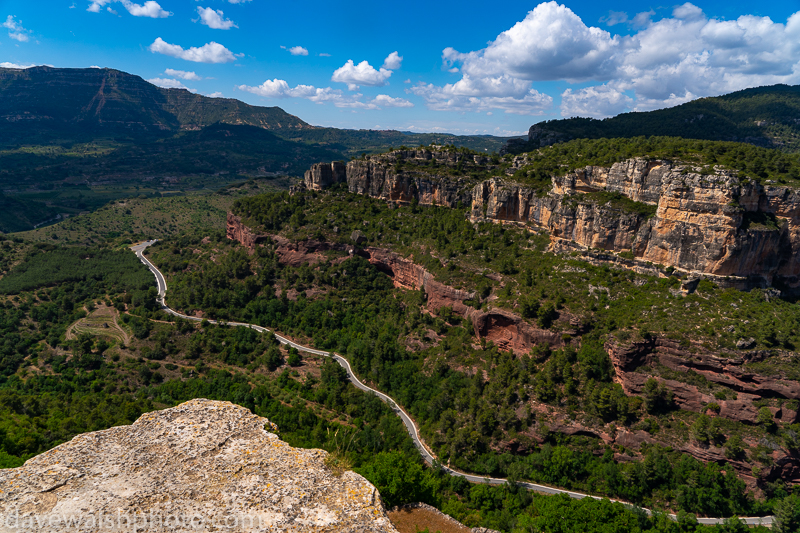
{"type": "Point", "coordinates": [201, 466]}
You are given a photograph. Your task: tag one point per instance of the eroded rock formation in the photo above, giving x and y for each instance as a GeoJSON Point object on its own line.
{"type": "Point", "coordinates": [323, 175]}
{"type": "Point", "coordinates": [721, 225]}
{"type": "Point", "coordinates": [728, 372]}
{"type": "Point", "coordinates": [715, 225]}
{"type": "Point", "coordinates": [237, 231]}
{"type": "Point", "coordinates": [200, 466]}
{"type": "Point", "coordinates": [385, 177]}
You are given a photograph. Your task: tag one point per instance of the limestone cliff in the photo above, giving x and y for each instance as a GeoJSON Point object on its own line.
{"type": "Point", "coordinates": [427, 178]}
{"type": "Point", "coordinates": [720, 225]}
{"type": "Point", "coordinates": [323, 175]}
{"type": "Point", "coordinates": [200, 466]}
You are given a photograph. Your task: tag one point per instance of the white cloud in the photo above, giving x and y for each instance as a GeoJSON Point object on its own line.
{"type": "Point", "coordinates": [96, 5]}
{"type": "Point", "coordinates": [551, 42]}
{"type": "Point", "coordinates": [387, 101]}
{"type": "Point", "coordinates": [642, 20]}
{"type": "Point", "coordinates": [362, 74]}
{"type": "Point", "coordinates": [297, 50]}
{"type": "Point", "coordinates": [216, 94]}
{"type": "Point", "coordinates": [393, 61]}
{"type": "Point", "coordinates": [614, 18]}
{"type": "Point", "coordinates": [280, 89]}
{"type": "Point", "coordinates": [167, 83]}
{"type": "Point", "coordinates": [6, 64]}
{"type": "Point", "coordinates": [150, 8]}
{"type": "Point", "coordinates": [597, 102]}
{"type": "Point", "coordinates": [213, 19]}
{"type": "Point", "coordinates": [324, 54]}
{"type": "Point", "coordinates": [208, 53]}
{"type": "Point", "coordinates": [238, 1]}
{"type": "Point", "coordinates": [449, 98]}
{"type": "Point", "coordinates": [664, 62]}
{"type": "Point", "coordinates": [182, 74]}
{"type": "Point", "coordinates": [15, 29]}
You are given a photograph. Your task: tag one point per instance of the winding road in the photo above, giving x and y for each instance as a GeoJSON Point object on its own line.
{"type": "Point", "coordinates": [411, 426]}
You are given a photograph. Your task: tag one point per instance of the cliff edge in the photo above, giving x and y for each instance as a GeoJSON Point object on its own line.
{"type": "Point", "coordinates": [201, 466]}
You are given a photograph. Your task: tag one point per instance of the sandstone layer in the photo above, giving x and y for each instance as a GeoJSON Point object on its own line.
{"type": "Point", "coordinates": [200, 466]}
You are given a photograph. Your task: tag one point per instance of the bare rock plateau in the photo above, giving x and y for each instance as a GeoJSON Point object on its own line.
{"type": "Point", "coordinates": [201, 466]}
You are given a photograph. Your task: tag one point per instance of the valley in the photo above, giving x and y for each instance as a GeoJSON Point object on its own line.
{"type": "Point", "coordinates": [495, 328]}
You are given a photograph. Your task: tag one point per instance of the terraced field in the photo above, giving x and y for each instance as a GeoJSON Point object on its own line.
{"type": "Point", "coordinates": [100, 323]}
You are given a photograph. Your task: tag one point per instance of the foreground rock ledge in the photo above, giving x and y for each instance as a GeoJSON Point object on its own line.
{"type": "Point", "coordinates": [200, 466]}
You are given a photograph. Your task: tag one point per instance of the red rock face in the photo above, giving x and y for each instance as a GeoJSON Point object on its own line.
{"type": "Point", "coordinates": [507, 330]}
{"type": "Point", "coordinates": [237, 231]}
{"type": "Point", "coordinates": [728, 372]}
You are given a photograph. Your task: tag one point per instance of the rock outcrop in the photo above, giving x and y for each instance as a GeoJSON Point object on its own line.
{"type": "Point", "coordinates": [721, 226]}
{"type": "Point", "coordinates": [200, 466]}
{"type": "Point", "coordinates": [237, 231]}
{"type": "Point", "coordinates": [385, 177]}
{"type": "Point", "coordinates": [323, 175]}
{"type": "Point", "coordinates": [724, 371]}
{"type": "Point", "coordinates": [715, 225]}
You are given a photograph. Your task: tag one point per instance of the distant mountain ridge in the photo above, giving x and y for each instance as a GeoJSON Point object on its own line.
{"type": "Point", "coordinates": [763, 116]}
{"type": "Point", "coordinates": [42, 104]}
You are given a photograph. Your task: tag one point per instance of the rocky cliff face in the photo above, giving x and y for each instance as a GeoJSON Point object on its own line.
{"type": "Point", "coordinates": [720, 226]}
{"type": "Point", "coordinates": [200, 466]}
{"type": "Point", "coordinates": [385, 177]}
{"type": "Point", "coordinates": [749, 387]}
{"type": "Point", "coordinates": [237, 231]}
{"type": "Point", "coordinates": [323, 175]}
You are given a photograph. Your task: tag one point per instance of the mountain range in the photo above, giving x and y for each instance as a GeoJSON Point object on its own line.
{"type": "Point", "coordinates": [763, 116]}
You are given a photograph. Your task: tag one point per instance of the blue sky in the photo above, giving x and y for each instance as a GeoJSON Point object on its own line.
{"type": "Point", "coordinates": [462, 67]}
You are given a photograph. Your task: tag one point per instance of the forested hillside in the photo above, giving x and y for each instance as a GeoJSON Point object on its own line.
{"type": "Point", "coordinates": [763, 116]}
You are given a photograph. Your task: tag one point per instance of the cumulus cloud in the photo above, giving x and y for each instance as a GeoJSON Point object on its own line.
{"type": "Point", "coordinates": [297, 50]}
{"type": "Point", "coordinates": [664, 62]}
{"type": "Point", "coordinates": [167, 83]}
{"type": "Point", "coordinates": [597, 102]}
{"type": "Point", "coordinates": [387, 101]}
{"type": "Point", "coordinates": [15, 29]}
{"type": "Point", "coordinates": [6, 64]}
{"type": "Point", "coordinates": [551, 42]}
{"type": "Point", "coordinates": [393, 61]}
{"type": "Point", "coordinates": [208, 53]}
{"type": "Point", "coordinates": [449, 98]}
{"type": "Point", "coordinates": [182, 74]}
{"type": "Point", "coordinates": [214, 19]}
{"type": "Point", "coordinates": [216, 94]}
{"type": "Point", "coordinates": [278, 88]}
{"type": "Point", "coordinates": [150, 8]}
{"type": "Point", "coordinates": [362, 74]}
{"type": "Point", "coordinates": [96, 5]}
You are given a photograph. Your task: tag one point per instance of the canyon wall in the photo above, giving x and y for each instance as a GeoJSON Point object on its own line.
{"type": "Point", "coordinates": [720, 226]}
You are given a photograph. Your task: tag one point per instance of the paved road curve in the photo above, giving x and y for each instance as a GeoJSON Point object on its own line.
{"type": "Point", "coordinates": [407, 420]}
